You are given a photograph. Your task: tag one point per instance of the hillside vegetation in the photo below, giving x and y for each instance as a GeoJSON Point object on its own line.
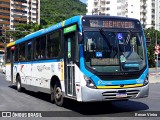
{"type": "Point", "coordinates": [54, 11]}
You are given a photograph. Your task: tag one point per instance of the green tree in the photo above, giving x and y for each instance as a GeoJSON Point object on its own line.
{"type": "Point", "coordinates": [22, 30]}
{"type": "Point", "coordinates": [151, 33]}
{"type": "Point", "coordinates": [54, 11]}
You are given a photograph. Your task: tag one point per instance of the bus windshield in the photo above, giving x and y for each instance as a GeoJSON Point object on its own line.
{"type": "Point", "coordinates": [110, 50]}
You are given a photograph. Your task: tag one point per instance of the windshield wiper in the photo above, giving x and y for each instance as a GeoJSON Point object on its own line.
{"type": "Point", "coordinates": [108, 42]}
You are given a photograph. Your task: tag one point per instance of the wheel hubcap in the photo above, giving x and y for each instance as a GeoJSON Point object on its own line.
{"type": "Point", "coordinates": [58, 93]}
{"type": "Point", "coordinates": [18, 85]}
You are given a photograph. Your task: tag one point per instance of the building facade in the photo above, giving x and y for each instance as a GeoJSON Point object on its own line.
{"type": "Point", "coordinates": [24, 11]}
{"type": "Point", "coordinates": [147, 11]}
{"type": "Point", "coordinates": [14, 12]}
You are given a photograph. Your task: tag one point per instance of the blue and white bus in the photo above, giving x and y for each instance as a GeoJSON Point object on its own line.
{"type": "Point", "coordinates": [85, 58]}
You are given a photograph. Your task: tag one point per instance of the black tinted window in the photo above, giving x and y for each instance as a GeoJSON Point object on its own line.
{"type": "Point", "coordinates": [40, 48]}
{"type": "Point", "coordinates": [53, 44]}
{"type": "Point", "coordinates": [22, 52]}
{"type": "Point", "coordinates": [29, 50]}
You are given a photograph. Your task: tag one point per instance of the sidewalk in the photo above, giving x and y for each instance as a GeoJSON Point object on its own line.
{"type": "Point", "coordinates": [153, 76]}
{"type": "Point", "coordinates": [153, 69]}
{"type": "Point", "coordinates": [154, 79]}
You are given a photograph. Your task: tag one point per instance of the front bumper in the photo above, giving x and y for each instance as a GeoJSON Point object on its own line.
{"type": "Point", "coordinates": [89, 94]}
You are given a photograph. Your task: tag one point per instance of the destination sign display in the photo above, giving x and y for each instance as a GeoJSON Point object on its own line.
{"type": "Point", "coordinates": [104, 61]}
{"type": "Point", "coordinates": [111, 23]}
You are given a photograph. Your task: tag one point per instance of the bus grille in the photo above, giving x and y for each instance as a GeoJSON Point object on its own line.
{"type": "Point", "coordinates": [118, 77]}
{"type": "Point", "coordinates": [111, 95]}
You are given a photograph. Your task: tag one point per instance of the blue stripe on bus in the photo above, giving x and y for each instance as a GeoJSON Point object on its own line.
{"type": "Point", "coordinates": [140, 80]}
{"type": "Point", "coordinates": [75, 19]}
{"type": "Point", "coordinates": [82, 64]}
{"type": "Point", "coordinates": [99, 82]}
{"type": "Point", "coordinates": [40, 61]}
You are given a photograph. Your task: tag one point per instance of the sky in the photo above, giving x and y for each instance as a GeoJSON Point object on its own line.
{"type": "Point", "coordinates": [84, 1]}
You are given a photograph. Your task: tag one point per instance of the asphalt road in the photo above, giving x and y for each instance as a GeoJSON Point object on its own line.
{"type": "Point", "coordinates": [11, 100]}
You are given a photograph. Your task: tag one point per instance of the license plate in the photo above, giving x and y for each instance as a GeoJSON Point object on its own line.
{"type": "Point", "coordinates": [121, 95]}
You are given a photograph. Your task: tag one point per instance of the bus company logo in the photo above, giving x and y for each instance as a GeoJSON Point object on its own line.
{"type": "Point", "coordinates": [139, 81]}
{"type": "Point", "coordinates": [40, 68]}
{"type": "Point", "coordinates": [104, 82]}
{"type": "Point", "coordinates": [21, 114]}
{"type": "Point", "coordinates": [6, 114]}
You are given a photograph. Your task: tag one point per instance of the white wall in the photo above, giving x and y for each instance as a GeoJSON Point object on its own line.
{"type": "Point", "coordinates": [113, 8]}
{"type": "Point", "coordinates": [90, 4]}
{"type": "Point", "coordinates": [157, 15]}
{"type": "Point", "coordinates": [133, 10]}
{"type": "Point", "coordinates": [149, 14]}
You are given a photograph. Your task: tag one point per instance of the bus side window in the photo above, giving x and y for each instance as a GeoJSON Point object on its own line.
{"type": "Point", "coordinates": [49, 52]}
{"type": "Point", "coordinates": [16, 53]}
{"type": "Point", "coordinates": [22, 52]}
{"type": "Point", "coordinates": [53, 44]}
{"type": "Point", "coordinates": [8, 60]}
{"type": "Point", "coordinates": [29, 50]}
{"type": "Point", "coordinates": [40, 48]}
{"type": "Point", "coordinates": [37, 48]}
{"type": "Point", "coordinates": [43, 47]}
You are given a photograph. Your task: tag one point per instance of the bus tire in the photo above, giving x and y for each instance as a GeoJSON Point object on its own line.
{"type": "Point", "coordinates": [52, 94]}
{"type": "Point", "coordinates": [58, 96]}
{"type": "Point", "coordinates": [18, 84]}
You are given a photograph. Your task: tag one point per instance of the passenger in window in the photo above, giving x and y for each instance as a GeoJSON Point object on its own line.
{"type": "Point", "coordinates": [37, 55]}
{"type": "Point", "coordinates": [21, 57]}
{"type": "Point", "coordinates": [49, 55]}
{"type": "Point", "coordinates": [55, 50]}
{"type": "Point", "coordinates": [42, 54]}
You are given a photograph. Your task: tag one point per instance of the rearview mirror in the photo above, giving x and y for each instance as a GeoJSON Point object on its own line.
{"type": "Point", "coordinates": [79, 37]}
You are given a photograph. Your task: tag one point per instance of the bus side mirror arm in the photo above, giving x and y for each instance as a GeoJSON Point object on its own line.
{"type": "Point", "coordinates": [80, 38]}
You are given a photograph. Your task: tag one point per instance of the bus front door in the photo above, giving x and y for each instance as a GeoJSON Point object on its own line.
{"type": "Point", "coordinates": [69, 64]}
{"type": "Point", "coordinates": [12, 65]}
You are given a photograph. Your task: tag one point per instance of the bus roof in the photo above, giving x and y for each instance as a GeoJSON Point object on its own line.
{"type": "Point", "coordinates": [72, 20]}
{"type": "Point", "coordinates": [111, 17]}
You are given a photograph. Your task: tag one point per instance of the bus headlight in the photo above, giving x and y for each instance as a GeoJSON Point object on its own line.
{"type": "Point", "coordinates": [89, 82]}
{"type": "Point", "coordinates": [146, 81]}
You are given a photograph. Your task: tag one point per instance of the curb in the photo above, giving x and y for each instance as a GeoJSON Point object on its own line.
{"type": "Point", "coordinates": [154, 74]}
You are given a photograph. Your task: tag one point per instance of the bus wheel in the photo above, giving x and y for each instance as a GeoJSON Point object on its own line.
{"type": "Point", "coordinates": [58, 96]}
{"type": "Point", "coordinates": [18, 83]}
{"type": "Point", "coordinates": [52, 95]}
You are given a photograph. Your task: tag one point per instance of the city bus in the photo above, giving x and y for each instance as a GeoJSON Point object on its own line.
{"type": "Point", "coordinates": [2, 60]}
{"type": "Point", "coordinates": [86, 58]}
